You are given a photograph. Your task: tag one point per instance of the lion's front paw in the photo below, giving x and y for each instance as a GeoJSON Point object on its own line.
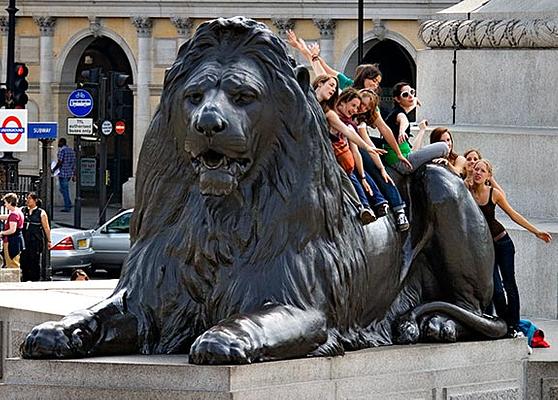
{"type": "Point", "coordinates": [221, 346]}
{"type": "Point", "coordinates": [54, 340]}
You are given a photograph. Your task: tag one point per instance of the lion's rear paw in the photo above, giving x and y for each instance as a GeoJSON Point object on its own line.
{"type": "Point", "coordinates": [53, 340]}
{"type": "Point", "coordinates": [221, 346]}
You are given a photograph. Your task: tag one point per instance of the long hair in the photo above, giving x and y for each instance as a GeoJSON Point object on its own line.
{"type": "Point", "coordinates": [328, 104]}
{"type": "Point", "coordinates": [365, 71]}
{"type": "Point", "coordinates": [436, 136]}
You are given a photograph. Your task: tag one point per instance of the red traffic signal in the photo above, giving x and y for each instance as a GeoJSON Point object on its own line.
{"type": "Point", "coordinates": [20, 85]}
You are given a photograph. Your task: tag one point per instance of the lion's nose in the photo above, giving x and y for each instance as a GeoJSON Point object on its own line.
{"type": "Point", "coordinates": [209, 122]}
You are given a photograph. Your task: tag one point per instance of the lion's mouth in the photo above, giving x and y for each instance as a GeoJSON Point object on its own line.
{"type": "Point", "coordinates": [219, 174]}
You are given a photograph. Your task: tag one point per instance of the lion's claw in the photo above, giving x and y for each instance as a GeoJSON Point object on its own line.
{"type": "Point", "coordinates": [53, 340]}
{"type": "Point", "coordinates": [221, 347]}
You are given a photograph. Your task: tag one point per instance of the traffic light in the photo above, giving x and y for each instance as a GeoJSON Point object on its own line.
{"type": "Point", "coordinates": [90, 80]}
{"type": "Point", "coordinates": [120, 97]}
{"type": "Point", "coordinates": [21, 85]}
{"type": "Point", "coordinates": [3, 97]}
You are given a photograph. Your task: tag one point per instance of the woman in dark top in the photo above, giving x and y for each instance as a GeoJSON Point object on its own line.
{"type": "Point", "coordinates": [404, 102]}
{"type": "Point", "coordinates": [35, 231]}
{"type": "Point", "coordinates": [488, 198]}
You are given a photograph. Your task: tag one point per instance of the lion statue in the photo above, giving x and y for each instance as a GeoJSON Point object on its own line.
{"type": "Point", "coordinates": [246, 247]}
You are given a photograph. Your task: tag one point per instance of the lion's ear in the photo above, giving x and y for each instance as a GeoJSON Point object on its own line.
{"type": "Point", "coordinates": [303, 78]}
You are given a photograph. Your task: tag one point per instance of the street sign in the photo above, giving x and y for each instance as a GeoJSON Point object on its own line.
{"type": "Point", "coordinates": [120, 127]}
{"type": "Point", "coordinates": [13, 130]}
{"type": "Point", "coordinates": [42, 130]}
{"type": "Point", "coordinates": [88, 170]}
{"type": "Point", "coordinates": [80, 126]}
{"type": "Point", "coordinates": [106, 128]}
{"type": "Point", "coordinates": [80, 103]}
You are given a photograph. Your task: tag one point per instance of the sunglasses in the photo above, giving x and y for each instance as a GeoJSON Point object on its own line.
{"type": "Point", "coordinates": [407, 93]}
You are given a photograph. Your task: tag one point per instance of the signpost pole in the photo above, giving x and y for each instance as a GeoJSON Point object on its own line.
{"type": "Point", "coordinates": [46, 195]}
{"type": "Point", "coordinates": [77, 203]}
{"type": "Point", "coordinates": [102, 154]}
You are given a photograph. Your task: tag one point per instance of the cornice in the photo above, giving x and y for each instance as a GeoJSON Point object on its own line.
{"type": "Point", "coordinates": [491, 33]}
{"type": "Point", "coordinates": [206, 9]}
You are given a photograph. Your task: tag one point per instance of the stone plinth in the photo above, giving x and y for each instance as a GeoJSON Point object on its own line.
{"type": "Point", "coordinates": [475, 370]}
{"type": "Point", "coordinates": [10, 274]}
{"type": "Point", "coordinates": [493, 86]}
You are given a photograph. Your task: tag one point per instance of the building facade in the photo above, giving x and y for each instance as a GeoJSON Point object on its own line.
{"type": "Point", "coordinates": [58, 39]}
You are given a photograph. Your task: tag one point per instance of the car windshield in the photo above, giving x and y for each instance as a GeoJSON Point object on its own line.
{"type": "Point", "coordinates": [120, 224]}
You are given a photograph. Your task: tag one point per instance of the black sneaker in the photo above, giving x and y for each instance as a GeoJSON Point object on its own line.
{"type": "Point", "coordinates": [382, 210]}
{"type": "Point", "coordinates": [367, 216]}
{"type": "Point", "coordinates": [401, 221]}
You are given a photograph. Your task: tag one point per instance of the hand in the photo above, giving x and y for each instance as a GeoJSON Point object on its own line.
{"type": "Point", "coordinates": [314, 49]}
{"type": "Point", "coordinates": [49, 245]}
{"type": "Point", "coordinates": [292, 39]}
{"type": "Point", "coordinates": [443, 161]}
{"type": "Point", "coordinates": [418, 102]}
{"type": "Point", "coordinates": [73, 178]}
{"type": "Point", "coordinates": [544, 236]}
{"type": "Point", "coordinates": [405, 162]}
{"type": "Point", "coordinates": [402, 137]}
{"type": "Point", "coordinates": [423, 124]}
{"type": "Point", "coordinates": [366, 187]}
{"type": "Point", "coordinates": [375, 151]}
{"type": "Point", "coordinates": [386, 177]}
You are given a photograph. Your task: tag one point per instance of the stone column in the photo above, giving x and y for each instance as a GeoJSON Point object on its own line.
{"type": "Point", "coordinates": [327, 32]}
{"type": "Point", "coordinates": [142, 98]}
{"type": "Point", "coordinates": [4, 54]}
{"type": "Point", "coordinates": [283, 25]}
{"type": "Point", "coordinates": [46, 27]}
{"type": "Point", "coordinates": [183, 26]}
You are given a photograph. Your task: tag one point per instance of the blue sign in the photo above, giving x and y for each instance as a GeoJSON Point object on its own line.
{"type": "Point", "coordinates": [80, 103]}
{"type": "Point", "coordinates": [42, 130]}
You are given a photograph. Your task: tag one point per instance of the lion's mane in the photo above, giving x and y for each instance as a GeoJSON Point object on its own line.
{"type": "Point", "coordinates": [286, 222]}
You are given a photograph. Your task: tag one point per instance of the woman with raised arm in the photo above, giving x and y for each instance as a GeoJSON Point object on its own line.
{"type": "Point", "coordinates": [506, 294]}
{"type": "Point", "coordinates": [368, 76]}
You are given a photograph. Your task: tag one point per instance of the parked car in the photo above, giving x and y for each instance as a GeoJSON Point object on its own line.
{"type": "Point", "coordinates": [111, 243]}
{"type": "Point", "coordinates": [71, 249]}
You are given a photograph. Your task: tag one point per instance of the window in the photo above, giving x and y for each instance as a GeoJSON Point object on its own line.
{"type": "Point", "coordinates": [120, 224]}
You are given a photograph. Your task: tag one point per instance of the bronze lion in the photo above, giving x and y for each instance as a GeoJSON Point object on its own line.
{"type": "Point", "coordinates": [245, 245]}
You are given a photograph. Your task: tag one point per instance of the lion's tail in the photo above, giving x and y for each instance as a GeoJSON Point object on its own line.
{"type": "Point", "coordinates": [486, 325]}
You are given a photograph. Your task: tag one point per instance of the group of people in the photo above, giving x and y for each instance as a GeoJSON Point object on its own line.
{"type": "Point", "coordinates": [352, 106]}
{"type": "Point", "coordinates": [24, 237]}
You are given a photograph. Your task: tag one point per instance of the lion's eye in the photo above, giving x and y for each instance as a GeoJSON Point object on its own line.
{"type": "Point", "coordinates": [243, 99]}
{"type": "Point", "coordinates": [195, 97]}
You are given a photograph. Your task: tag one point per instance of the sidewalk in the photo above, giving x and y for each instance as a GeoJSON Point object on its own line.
{"type": "Point", "coordinates": [89, 216]}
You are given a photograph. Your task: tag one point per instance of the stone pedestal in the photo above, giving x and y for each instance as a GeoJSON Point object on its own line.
{"type": "Point", "coordinates": [475, 370]}
{"type": "Point", "coordinates": [10, 274]}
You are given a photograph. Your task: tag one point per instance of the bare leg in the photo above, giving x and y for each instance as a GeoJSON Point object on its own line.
{"type": "Point", "coordinates": [276, 332]}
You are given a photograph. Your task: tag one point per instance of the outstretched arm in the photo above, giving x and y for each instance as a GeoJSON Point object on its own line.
{"type": "Point", "coordinates": [419, 138]}
{"type": "Point", "coordinates": [519, 219]}
{"type": "Point", "coordinates": [388, 136]}
{"type": "Point", "coordinates": [310, 53]}
{"type": "Point", "coordinates": [335, 123]}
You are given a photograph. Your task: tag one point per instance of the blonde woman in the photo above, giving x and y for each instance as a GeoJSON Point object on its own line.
{"type": "Point", "coordinates": [506, 294]}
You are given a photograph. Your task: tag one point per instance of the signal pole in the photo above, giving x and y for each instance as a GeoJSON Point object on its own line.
{"type": "Point", "coordinates": [12, 10]}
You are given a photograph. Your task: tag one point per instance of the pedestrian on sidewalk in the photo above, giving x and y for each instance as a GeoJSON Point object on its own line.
{"type": "Point", "coordinates": [67, 165]}
{"type": "Point", "coordinates": [36, 231]}
{"type": "Point", "coordinates": [12, 237]}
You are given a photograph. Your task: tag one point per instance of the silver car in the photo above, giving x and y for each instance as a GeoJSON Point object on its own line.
{"type": "Point", "coordinates": [71, 249]}
{"type": "Point", "coordinates": [111, 243]}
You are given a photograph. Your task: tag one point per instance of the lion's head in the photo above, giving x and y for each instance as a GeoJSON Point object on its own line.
{"type": "Point", "coordinates": [237, 122]}
{"type": "Point", "coordinates": [229, 97]}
